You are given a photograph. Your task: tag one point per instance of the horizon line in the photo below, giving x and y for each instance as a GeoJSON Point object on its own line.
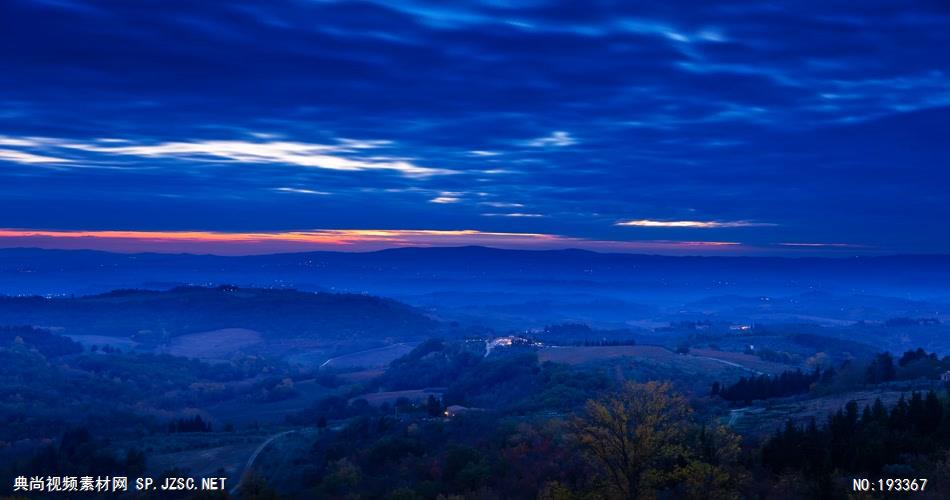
{"type": "Point", "coordinates": [364, 240]}
{"type": "Point", "coordinates": [483, 247]}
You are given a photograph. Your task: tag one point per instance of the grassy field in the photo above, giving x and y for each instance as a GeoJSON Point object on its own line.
{"type": "Point", "coordinates": [361, 376]}
{"type": "Point", "coordinates": [378, 398]}
{"type": "Point", "coordinates": [242, 411]}
{"type": "Point", "coordinates": [644, 362]}
{"type": "Point", "coordinates": [746, 360]}
{"type": "Point", "coordinates": [575, 355]}
{"type": "Point", "coordinates": [216, 344]}
{"type": "Point", "coordinates": [370, 358]}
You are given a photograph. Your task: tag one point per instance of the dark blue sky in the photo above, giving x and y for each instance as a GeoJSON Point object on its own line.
{"type": "Point", "coordinates": [572, 123]}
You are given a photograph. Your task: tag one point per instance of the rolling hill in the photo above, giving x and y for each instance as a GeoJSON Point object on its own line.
{"type": "Point", "coordinates": [275, 313]}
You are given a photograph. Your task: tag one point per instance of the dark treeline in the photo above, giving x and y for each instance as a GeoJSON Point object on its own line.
{"type": "Point", "coordinates": [196, 424]}
{"type": "Point", "coordinates": [917, 356]}
{"type": "Point", "coordinates": [916, 364]}
{"type": "Point", "coordinates": [78, 453]}
{"type": "Point", "coordinates": [882, 368]}
{"type": "Point", "coordinates": [766, 386]}
{"type": "Point", "coordinates": [863, 441]}
{"type": "Point", "coordinates": [43, 341]}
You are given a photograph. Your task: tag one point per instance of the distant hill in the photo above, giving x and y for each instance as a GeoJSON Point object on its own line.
{"type": "Point", "coordinates": [275, 313]}
{"type": "Point", "coordinates": [422, 270]}
{"type": "Point", "coordinates": [516, 289]}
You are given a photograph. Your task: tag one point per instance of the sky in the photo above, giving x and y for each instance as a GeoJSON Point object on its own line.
{"type": "Point", "coordinates": [680, 127]}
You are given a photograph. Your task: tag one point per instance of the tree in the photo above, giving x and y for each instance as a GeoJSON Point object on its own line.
{"type": "Point", "coordinates": [254, 487]}
{"type": "Point", "coordinates": [881, 369]}
{"type": "Point", "coordinates": [628, 434]}
{"type": "Point", "coordinates": [641, 441]}
{"type": "Point", "coordinates": [344, 476]}
{"type": "Point", "coordinates": [433, 406]}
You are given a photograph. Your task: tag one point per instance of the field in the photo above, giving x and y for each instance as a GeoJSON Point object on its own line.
{"type": "Point", "coordinates": [378, 398]}
{"type": "Point", "coordinates": [645, 362]}
{"type": "Point", "coordinates": [243, 411]}
{"type": "Point", "coordinates": [370, 358]}
{"type": "Point", "coordinates": [216, 344]}
{"type": "Point", "coordinates": [748, 361]}
{"type": "Point", "coordinates": [360, 376]}
{"type": "Point", "coordinates": [575, 355]}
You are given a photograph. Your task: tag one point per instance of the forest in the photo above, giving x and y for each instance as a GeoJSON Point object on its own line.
{"type": "Point", "coordinates": [520, 428]}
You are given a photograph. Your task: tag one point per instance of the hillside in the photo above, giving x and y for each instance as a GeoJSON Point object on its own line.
{"type": "Point", "coordinates": [421, 270]}
{"type": "Point", "coordinates": [184, 310]}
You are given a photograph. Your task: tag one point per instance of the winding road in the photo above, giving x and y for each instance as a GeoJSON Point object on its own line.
{"type": "Point", "coordinates": [253, 457]}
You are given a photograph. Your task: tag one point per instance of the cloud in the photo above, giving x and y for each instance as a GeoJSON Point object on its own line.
{"type": "Point", "coordinates": [283, 152]}
{"type": "Point", "coordinates": [444, 199]}
{"type": "Point", "coordinates": [692, 223]}
{"type": "Point", "coordinates": [28, 158]}
{"type": "Point", "coordinates": [556, 139]}
{"type": "Point", "coordinates": [815, 118]}
{"type": "Point", "coordinates": [501, 204]}
{"type": "Point", "coordinates": [301, 191]}
{"type": "Point", "coordinates": [514, 214]}
{"type": "Point", "coordinates": [447, 197]}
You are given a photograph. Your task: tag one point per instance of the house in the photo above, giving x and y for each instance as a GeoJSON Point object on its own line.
{"type": "Point", "coordinates": [945, 376]}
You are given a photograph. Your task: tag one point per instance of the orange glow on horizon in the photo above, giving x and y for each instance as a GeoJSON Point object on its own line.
{"type": "Point", "coordinates": [322, 236]}
{"type": "Point", "coordinates": [245, 243]}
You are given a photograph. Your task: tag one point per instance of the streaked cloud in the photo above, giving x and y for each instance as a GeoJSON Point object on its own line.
{"type": "Point", "coordinates": [301, 191]}
{"type": "Point", "coordinates": [557, 138]}
{"type": "Point", "coordinates": [330, 157]}
{"type": "Point", "coordinates": [514, 214]}
{"type": "Point", "coordinates": [501, 204]}
{"type": "Point", "coordinates": [28, 158]}
{"type": "Point", "coordinates": [692, 223]}
{"type": "Point", "coordinates": [446, 197]}
{"type": "Point", "coordinates": [824, 123]}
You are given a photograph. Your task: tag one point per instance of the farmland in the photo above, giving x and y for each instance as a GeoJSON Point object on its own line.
{"type": "Point", "coordinates": [216, 344]}
{"type": "Point", "coordinates": [370, 358]}
{"type": "Point", "coordinates": [415, 395]}
{"type": "Point", "coordinates": [696, 370]}
{"type": "Point", "coordinates": [252, 409]}
{"type": "Point", "coordinates": [713, 361]}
